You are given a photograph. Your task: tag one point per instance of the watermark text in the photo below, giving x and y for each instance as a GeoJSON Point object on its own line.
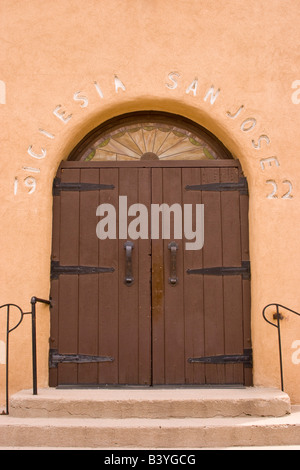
{"type": "Point", "coordinates": [187, 220]}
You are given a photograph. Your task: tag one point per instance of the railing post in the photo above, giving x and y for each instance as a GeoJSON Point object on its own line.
{"type": "Point", "coordinates": [8, 331]}
{"type": "Point", "coordinates": [278, 317]}
{"type": "Point", "coordinates": [7, 357]}
{"type": "Point", "coordinates": [33, 332]}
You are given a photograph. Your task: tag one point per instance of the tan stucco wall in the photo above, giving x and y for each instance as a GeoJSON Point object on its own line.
{"type": "Point", "coordinates": [248, 51]}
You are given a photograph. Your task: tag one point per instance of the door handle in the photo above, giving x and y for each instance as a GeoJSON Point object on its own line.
{"type": "Point", "coordinates": [173, 279]}
{"type": "Point", "coordinates": [128, 263]}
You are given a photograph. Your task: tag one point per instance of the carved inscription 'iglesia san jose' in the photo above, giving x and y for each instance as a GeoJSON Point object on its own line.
{"type": "Point", "coordinates": [245, 124]}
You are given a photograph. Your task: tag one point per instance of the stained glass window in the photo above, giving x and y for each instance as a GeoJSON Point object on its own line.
{"type": "Point", "coordinates": [153, 139]}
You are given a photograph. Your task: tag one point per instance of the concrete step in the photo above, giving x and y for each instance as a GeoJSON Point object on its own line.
{"type": "Point", "coordinates": [151, 418]}
{"type": "Point", "coordinates": [153, 403]}
{"type": "Point", "coordinates": [142, 433]}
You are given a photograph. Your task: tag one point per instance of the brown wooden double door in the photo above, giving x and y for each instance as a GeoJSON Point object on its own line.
{"type": "Point", "coordinates": [105, 330]}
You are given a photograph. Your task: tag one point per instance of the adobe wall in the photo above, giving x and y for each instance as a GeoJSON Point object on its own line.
{"type": "Point", "coordinates": [232, 66]}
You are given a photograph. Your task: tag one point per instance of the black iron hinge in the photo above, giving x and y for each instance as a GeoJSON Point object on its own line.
{"type": "Point", "coordinates": [241, 186]}
{"type": "Point", "coordinates": [55, 358]}
{"type": "Point", "coordinates": [244, 270]}
{"type": "Point", "coordinates": [58, 186]}
{"type": "Point", "coordinates": [57, 269]}
{"type": "Point", "coordinates": [245, 359]}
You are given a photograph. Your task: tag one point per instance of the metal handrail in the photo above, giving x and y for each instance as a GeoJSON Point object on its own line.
{"type": "Point", "coordinates": [278, 316]}
{"type": "Point", "coordinates": [32, 312]}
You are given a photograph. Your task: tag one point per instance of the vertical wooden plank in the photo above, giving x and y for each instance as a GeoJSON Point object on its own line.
{"type": "Point", "coordinates": [233, 302]}
{"type": "Point", "coordinates": [244, 208]}
{"type": "Point", "coordinates": [174, 309]}
{"type": "Point", "coordinates": [54, 311]}
{"type": "Point", "coordinates": [109, 288]}
{"type": "Point", "coordinates": [56, 224]}
{"type": "Point", "coordinates": [128, 295]}
{"type": "Point", "coordinates": [68, 284]}
{"type": "Point", "coordinates": [88, 283]}
{"type": "Point", "coordinates": [54, 330]}
{"type": "Point", "coordinates": [233, 326]}
{"type": "Point", "coordinates": [144, 276]}
{"type": "Point", "coordinates": [230, 219]}
{"type": "Point", "coordinates": [213, 285]}
{"type": "Point", "coordinates": [158, 292]}
{"type": "Point", "coordinates": [193, 289]}
{"type": "Point", "coordinates": [248, 372]}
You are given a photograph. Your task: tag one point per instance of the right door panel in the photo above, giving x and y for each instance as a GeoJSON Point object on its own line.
{"type": "Point", "coordinates": [201, 323]}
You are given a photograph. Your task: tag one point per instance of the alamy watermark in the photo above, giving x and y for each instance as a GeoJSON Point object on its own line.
{"type": "Point", "coordinates": [296, 94]}
{"type": "Point", "coordinates": [160, 221]}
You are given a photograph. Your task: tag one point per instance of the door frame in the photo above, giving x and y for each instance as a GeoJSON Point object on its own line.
{"type": "Point", "coordinates": [154, 164]}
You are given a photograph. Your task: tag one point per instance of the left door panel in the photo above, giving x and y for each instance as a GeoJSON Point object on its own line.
{"type": "Point", "coordinates": [100, 327]}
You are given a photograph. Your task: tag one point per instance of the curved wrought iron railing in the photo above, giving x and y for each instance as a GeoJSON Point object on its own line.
{"type": "Point", "coordinates": [277, 316]}
{"type": "Point", "coordinates": [10, 329]}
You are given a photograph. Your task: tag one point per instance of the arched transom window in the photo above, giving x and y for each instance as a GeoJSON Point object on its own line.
{"type": "Point", "coordinates": [149, 136]}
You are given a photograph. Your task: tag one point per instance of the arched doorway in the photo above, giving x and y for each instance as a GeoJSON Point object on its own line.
{"type": "Point", "coordinates": [150, 259]}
